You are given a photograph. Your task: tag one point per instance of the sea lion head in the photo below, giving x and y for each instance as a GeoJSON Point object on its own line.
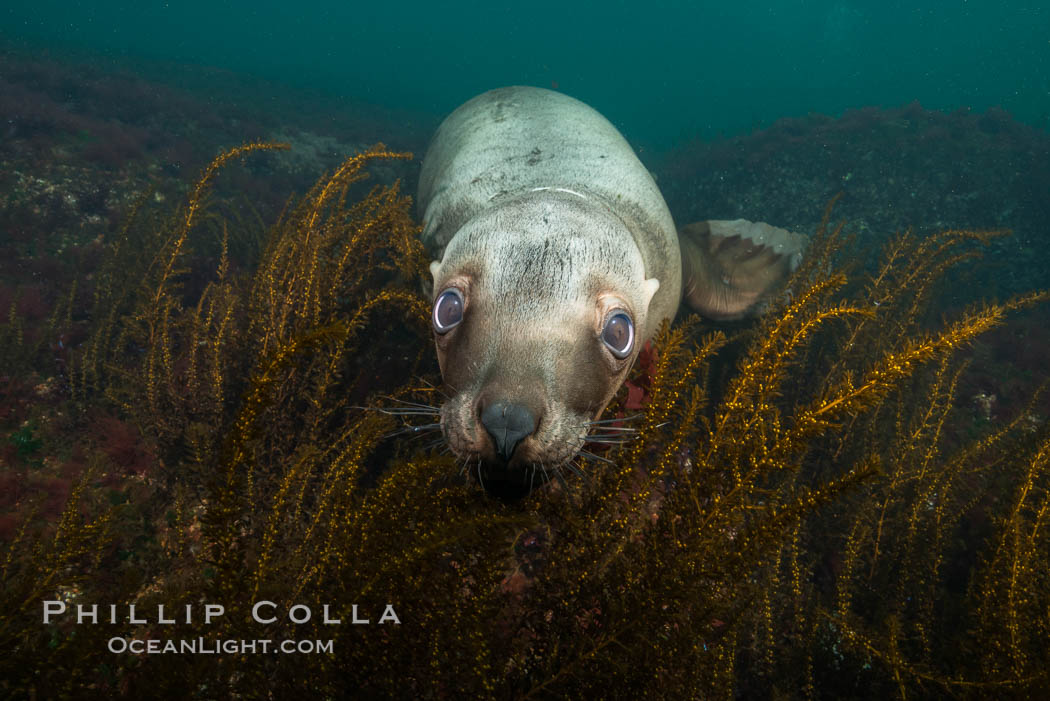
{"type": "Point", "coordinates": [540, 306]}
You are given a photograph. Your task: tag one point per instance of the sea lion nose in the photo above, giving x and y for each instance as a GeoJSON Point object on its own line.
{"type": "Point", "coordinates": [508, 424]}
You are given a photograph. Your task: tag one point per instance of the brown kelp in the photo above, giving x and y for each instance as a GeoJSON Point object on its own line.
{"type": "Point", "coordinates": [816, 528]}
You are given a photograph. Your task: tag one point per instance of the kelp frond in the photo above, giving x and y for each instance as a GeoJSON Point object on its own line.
{"type": "Point", "coordinates": [815, 525]}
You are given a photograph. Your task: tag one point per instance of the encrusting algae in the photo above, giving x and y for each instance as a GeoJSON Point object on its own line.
{"type": "Point", "coordinates": [816, 529]}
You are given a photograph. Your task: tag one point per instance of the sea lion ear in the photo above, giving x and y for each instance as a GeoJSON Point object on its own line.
{"type": "Point", "coordinates": [649, 288]}
{"type": "Point", "coordinates": [435, 268]}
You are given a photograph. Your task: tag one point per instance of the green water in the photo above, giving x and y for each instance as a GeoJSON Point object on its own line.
{"type": "Point", "coordinates": [662, 71]}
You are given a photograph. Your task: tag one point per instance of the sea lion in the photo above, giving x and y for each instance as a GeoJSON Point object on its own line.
{"type": "Point", "coordinates": [555, 259]}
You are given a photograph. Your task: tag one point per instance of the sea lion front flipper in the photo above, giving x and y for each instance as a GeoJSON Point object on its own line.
{"type": "Point", "coordinates": [729, 267]}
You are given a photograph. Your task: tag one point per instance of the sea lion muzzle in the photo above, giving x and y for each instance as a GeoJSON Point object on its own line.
{"type": "Point", "coordinates": [507, 424]}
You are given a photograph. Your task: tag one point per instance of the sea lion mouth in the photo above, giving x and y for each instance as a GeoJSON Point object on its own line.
{"type": "Point", "coordinates": [510, 483]}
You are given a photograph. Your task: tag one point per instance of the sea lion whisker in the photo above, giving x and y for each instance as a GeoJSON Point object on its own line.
{"type": "Point", "coordinates": [399, 411]}
{"type": "Point", "coordinates": [586, 475]}
{"type": "Point", "coordinates": [560, 478]}
{"type": "Point", "coordinates": [592, 456]}
{"type": "Point", "coordinates": [609, 421]}
{"type": "Point", "coordinates": [422, 427]}
{"type": "Point", "coordinates": [463, 466]}
{"type": "Point", "coordinates": [406, 411]}
{"type": "Point", "coordinates": [425, 434]}
{"type": "Point", "coordinates": [617, 437]}
{"type": "Point", "coordinates": [419, 430]}
{"type": "Point", "coordinates": [577, 471]}
{"type": "Point", "coordinates": [432, 386]}
{"type": "Point", "coordinates": [617, 428]}
{"type": "Point", "coordinates": [408, 403]}
{"type": "Point", "coordinates": [434, 444]}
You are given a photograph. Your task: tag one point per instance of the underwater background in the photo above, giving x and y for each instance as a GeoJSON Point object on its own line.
{"type": "Point", "coordinates": [663, 72]}
{"type": "Point", "coordinates": [208, 266]}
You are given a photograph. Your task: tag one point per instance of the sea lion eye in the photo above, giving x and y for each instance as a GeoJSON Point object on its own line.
{"type": "Point", "coordinates": [448, 310]}
{"type": "Point", "coordinates": [618, 334]}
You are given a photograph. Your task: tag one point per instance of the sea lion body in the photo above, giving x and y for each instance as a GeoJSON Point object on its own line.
{"type": "Point", "coordinates": [555, 259]}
